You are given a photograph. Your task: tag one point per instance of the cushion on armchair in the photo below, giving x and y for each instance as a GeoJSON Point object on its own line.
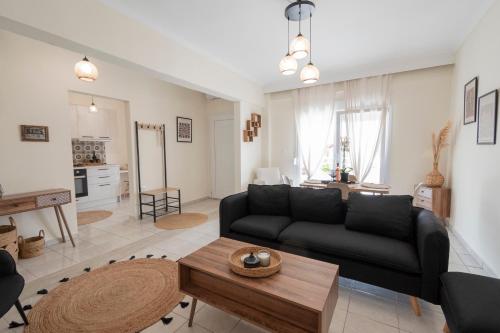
{"type": "Point", "coordinates": [323, 206]}
{"type": "Point", "coordinates": [388, 215]}
{"type": "Point", "coordinates": [268, 200]}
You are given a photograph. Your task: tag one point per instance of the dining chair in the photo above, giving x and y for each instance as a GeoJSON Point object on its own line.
{"type": "Point", "coordinates": [344, 188]}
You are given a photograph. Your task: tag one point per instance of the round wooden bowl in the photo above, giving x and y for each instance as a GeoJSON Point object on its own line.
{"type": "Point", "coordinates": [259, 272]}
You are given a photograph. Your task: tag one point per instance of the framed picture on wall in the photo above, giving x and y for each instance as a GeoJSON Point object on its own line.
{"type": "Point", "coordinates": [487, 118]}
{"type": "Point", "coordinates": [470, 101]}
{"type": "Point", "coordinates": [184, 129]}
{"type": "Point", "coordinates": [34, 133]}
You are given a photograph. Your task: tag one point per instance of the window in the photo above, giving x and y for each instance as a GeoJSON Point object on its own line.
{"type": "Point", "coordinates": [366, 127]}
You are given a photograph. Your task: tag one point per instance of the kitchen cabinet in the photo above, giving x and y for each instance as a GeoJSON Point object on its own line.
{"type": "Point", "coordinates": [103, 187]}
{"type": "Point", "coordinates": [89, 125]}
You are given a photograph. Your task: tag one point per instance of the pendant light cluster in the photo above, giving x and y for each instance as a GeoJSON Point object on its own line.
{"type": "Point", "coordinates": [87, 71]}
{"type": "Point", "coordinates": [300, 47]}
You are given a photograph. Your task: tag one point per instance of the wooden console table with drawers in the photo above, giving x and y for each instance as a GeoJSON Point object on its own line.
{"type": "Point", "coordinates": [25, 202]}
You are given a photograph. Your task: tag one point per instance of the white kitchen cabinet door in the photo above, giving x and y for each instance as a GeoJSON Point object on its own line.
{"type": "Point", "coordinates": [92, 124]}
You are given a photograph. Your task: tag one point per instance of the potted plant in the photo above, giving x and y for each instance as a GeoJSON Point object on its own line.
{"type": "Point", "coordinates": [344, 175]}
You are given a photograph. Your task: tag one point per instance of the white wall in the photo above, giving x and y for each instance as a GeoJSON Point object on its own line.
{"type": "Point", "coordinates": [36, 78]}
{"type": "Point", "coordinates": [475, 213]}
{"type": "Point", "coordinates": [420, 103]}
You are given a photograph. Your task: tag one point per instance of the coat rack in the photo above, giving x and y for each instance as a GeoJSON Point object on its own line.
{"type": "Point", "coordinates": [165, 204]}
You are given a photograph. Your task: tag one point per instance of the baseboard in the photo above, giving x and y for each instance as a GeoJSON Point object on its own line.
{"type": "Point", "coordinates": [473, 253]}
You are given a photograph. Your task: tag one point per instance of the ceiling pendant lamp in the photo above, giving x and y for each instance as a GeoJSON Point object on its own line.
{"type": "Point", "coordinates": [300, 46]}
{"type": "Point", "coordinates": [310, 73]}
{"type": "Point", "coordinates": [86, 71]}
{"type": "Point", "coordinates": [288, 64]}
{"type": "Point", "coordinates": [93, 107]}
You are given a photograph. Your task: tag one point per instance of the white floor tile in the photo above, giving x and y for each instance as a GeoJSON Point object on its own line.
{"type": "Point", "coordinates": [215, 320]}
{"type": "Point", "coordinates": [356, 323]}
{"type": "Point", "coordinates": [373, 307]}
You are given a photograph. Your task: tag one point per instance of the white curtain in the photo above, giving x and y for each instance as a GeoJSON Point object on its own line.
{"type": "Point", "coordinates": [366, 110]}
{"type": "Point", "coordinates": [314, 112]}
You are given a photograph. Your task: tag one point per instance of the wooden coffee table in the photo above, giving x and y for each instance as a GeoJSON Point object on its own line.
{"type": "Point", "coordinates": [299, 298]}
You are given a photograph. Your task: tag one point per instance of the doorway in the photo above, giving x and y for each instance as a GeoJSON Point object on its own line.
{"type": "Point", "coordinates": [223, 157]}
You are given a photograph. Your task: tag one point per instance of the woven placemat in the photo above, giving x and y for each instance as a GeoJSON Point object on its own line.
{"type": "Point", "coordinates": [92, 216]}
{"type": "Point", "coordinates": [181, 221]}
{"type": "Point", "coordinates": [124, 297]}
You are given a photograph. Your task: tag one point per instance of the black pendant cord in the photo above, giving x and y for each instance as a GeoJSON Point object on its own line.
{"type": "Point", "coordinates": [310, 38]}
{"type": "Point", "coordinates": [300, 19]}
{"type": "Point", "coordinates": [288, 37]}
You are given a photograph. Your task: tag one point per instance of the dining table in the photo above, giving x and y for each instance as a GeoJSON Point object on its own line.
{"type": "Point", "coordinates": [354, 187]}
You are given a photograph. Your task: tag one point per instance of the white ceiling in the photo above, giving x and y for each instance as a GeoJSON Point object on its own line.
{"type": "Point", "coordinates": [351, 38]}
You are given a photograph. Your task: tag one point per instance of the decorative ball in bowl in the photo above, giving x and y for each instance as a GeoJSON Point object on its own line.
{"type": "Point", "coordinates": [265, 257]}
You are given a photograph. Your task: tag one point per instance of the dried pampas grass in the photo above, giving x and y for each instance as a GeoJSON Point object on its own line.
{"type": "Point", "coordinates": [440, 141]}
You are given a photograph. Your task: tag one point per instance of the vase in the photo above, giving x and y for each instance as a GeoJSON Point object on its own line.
{"type": "Point", "coordinates": [434, 178]}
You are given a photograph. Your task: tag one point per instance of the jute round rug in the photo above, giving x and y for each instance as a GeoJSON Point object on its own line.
{"type": "Point", "coordinates": [181, 221]}
{"type": "Point", "coordinates": [126, 296]}
{"type": "Point", "coordinates": [92, 216]}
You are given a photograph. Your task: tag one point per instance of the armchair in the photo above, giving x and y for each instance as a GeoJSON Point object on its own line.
{"type": "Point", "coordinates": [11, 285]}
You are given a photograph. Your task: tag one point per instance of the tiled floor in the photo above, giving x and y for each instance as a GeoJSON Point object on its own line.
{"type": "Point", "coordinates": [361, 308]}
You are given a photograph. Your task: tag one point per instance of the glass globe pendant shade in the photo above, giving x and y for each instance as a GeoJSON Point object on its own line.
{"type": "Point", "coordinates": [299, 48]}
{"type": "Point", "coordinates": [93, 108]}
{"type": "Point", "coordinates": [309, 74]}
{"type": "Point", "coordinates": [86, 71]}
{"type": "Point", "coordinates": [288, 65]}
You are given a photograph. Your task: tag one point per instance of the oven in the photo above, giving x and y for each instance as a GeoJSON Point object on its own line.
{"type": "Point", "coordinates": [81, 187]}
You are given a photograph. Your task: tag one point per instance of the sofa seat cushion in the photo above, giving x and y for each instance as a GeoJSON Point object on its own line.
{"type": "Point", "coordinates": [336, 240]}
{"type": "Point", "coordinates": [387, 215]}
{"type": "Point", "coordinates": [269, 200]}
{"type": "Point", "coordinates": [471, 303]}
{"type": "Point", "coordinates": [324, 206]}
{"type": "Point", "coordinates": [262, 226]}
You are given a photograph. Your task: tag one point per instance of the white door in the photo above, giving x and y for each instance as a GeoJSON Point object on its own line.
{"type": "Point", "coordinates": [223, 158]}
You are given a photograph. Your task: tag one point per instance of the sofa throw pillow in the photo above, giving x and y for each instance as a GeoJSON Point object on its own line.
{"type": "Point", "coordinates": [388, 215]}
{"type": "Point", "coordinates": [323, 206]}
{"type": "Point", "coordinates": [268, 200]}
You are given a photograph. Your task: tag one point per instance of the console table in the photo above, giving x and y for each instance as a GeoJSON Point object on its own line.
{"type": "Point", "coordinates": [25, 202]}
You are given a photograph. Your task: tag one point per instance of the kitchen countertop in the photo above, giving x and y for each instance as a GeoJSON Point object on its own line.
{"type": "Point", "coordinates": [95, 166]}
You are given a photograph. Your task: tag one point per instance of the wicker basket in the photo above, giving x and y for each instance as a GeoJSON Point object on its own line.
{"type": "Point", "coordinates": [8, 238]}
{"type": "Point", "coordinates": [237, 266]}
{"type": "Point", "coordinates": [32, 246]}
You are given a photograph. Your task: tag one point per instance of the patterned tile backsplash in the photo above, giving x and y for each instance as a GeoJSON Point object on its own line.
{"type": "Point", "coordinates": [83, 151]}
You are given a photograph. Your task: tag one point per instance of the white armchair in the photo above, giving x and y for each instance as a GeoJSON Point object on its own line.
{"type": "Point", "coordinates": [268, 176]}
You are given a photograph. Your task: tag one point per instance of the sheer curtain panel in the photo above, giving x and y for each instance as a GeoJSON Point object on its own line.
{"type": "Point", "coordinates": [314, 112]}
{"type": "Point", "coordinates": [366, 112]}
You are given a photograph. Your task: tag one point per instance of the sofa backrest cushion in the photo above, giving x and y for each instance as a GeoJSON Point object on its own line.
{"type": "Point", "coordinates": [268, 200]}
{"type": "Point", "coordinates": [388, 215]}
{"type": "Point", "coordinates": [323, 206]}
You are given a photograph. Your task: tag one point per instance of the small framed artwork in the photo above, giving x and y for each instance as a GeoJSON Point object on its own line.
{"type": "Point", "coordinates": [184, 130]}
{"type": "Point", "coordinates": [470, 101]}
{"type": "Point", "coordinates": [34, 133]}
{"type": "Point", "coordinates": [487, 118]}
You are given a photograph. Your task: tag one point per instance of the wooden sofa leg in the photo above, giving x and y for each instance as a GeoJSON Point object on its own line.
{"type": "Point", "coordinates": [446, 329]}
{"type": "Point", "coordinates": [415, 305]}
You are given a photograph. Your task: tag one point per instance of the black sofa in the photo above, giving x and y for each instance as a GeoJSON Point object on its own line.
{"type": "Point", "coordinates": [380, 240]}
